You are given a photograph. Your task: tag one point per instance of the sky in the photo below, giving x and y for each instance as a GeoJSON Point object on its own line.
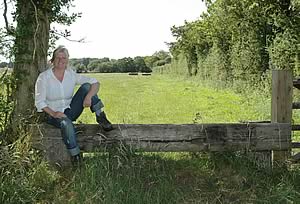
{"type": "Point", "coordinates": [127, 28]}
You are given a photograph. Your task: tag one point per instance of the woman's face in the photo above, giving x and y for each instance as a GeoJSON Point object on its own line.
{"type": "Point", "coordinates": [60, 61]}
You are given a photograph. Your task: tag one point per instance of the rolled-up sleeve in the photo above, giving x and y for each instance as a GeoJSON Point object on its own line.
{"type": "Point", "coordinates": [81, 79]}
{"type": "Point", "coordinates": [40, 93]}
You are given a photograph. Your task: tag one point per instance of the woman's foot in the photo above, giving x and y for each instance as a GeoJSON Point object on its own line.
{"type": "Point", "coordinates": [76, 161]}
{"type": "Point", "coordinates": [104, 122]}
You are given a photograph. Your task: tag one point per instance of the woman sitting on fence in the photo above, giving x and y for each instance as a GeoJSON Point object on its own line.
{"type": "Point", "coordinates": [54, 90]}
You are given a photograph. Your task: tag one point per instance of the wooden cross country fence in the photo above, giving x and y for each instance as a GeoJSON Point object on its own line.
{"type": "Point", "coordinates": [271, 136]}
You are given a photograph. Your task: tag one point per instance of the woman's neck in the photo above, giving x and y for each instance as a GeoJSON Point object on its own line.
{"type": "Point", "coordinates": [59, 73]}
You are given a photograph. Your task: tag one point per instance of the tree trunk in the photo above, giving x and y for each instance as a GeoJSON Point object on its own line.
{"type": "Point", "coordinates": [31, 46]}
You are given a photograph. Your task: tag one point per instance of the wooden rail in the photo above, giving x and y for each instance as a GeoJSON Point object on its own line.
{"type": "Point", "coordinates": [166, 138]}
{"type": "Point", "coordinates": [296, 105]}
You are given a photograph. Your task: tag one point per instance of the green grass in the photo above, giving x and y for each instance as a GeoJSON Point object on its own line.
{"type": "Point", "coordinates": [121, 176]}
{"type": "Point", "coordinates": [161, 99]}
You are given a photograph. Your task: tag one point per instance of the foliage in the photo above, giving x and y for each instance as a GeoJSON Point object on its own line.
{"type": "Point", "coordinates": [6, 105]}
{"type": "Point", "coordinates": [244, 39]}
{"type": "Point", "coordinates": [126, 64]}
{"type": "Point", "coordinates": [6, 65]}
{"type": "Point", "coordinates": [28, 46]}
{"type": "Point", "coordinates": [284, 50]}
{"type": "Point", "coordinates": [24, 177]}
{"type": "Point", "coordinates": [6, 43]}
{"type": "Point", "coordinates": [56, 9]}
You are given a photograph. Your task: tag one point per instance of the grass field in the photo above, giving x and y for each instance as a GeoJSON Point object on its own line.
{"type": "Point", "coordinates": [121, 176]}
{"type": "Point", "coordinates": [161, 99]}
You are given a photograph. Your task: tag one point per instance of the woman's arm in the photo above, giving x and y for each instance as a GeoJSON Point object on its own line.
{"type": "Point", "coordinates": [81, 79]}
{"type": "Point", "coordinates": [93, 91]}
{"type": "Point", "coordinates": [54, 114]}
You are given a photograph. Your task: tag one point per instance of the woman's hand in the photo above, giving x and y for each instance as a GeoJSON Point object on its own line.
{"type": "Point", "coordinates": [58, 114]}
{"type": "Point", "coordinates": [87, 101]}
{"type": "Point", "coordinates": [54, 114]}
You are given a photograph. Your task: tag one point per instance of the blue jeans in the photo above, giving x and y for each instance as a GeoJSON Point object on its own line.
{"type": "Point", "coordinates": [76, 107]}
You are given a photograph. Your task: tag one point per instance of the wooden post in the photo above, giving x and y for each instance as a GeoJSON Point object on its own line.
{"type": "Point", "coordinates": [282, 96]}
{"type": "Point", "coordinates": [53, 148]}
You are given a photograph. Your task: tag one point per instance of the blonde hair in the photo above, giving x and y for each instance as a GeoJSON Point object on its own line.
{"type": "Point", "coordinates": [59, 49]}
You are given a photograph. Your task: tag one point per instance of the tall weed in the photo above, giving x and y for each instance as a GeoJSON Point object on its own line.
{"type": "Point", "coordinates": [24, 177]}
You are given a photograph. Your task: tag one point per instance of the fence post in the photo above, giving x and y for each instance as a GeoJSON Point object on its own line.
{"type": "Point", "coordinates": [282, 98]}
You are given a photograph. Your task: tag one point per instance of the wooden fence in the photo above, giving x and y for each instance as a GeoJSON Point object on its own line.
{"type": "Point", "coordinates": [266, 137]}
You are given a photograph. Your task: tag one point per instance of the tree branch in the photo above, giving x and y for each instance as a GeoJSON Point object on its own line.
{"type": "Point", "coordinates": [9, 30]}
{"type": "Point", "coordinates": [82, 40]}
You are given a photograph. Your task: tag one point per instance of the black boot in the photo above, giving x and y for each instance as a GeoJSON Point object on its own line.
{"type": "Point", "coordinates": [76, 161]}
{"type": "Point", "coordinates": [104, 122]}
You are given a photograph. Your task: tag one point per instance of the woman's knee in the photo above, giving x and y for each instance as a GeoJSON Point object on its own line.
{"type": "Point", "coordinates": [85, 87]}
{"type": "Point", "coordinates": [66, 124]}
{"type": "Point", "coordinates": [68, 133]}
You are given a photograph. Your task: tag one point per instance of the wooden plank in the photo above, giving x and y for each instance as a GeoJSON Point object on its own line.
{"type": "Point", "coordinates": [295, 127]}
{"type": "Point", "coordinates": [282, 96]}
{"type": "Point", "coordinates": [296, 105]}
{"type": "Point", "coordinates": [296, 157]}
{"type": "Point", "coordinates": [295, 144]}
{"type": "Point", "coordinates": [296, 83]}
{"type": "Point", "coordinates": [169, 137]}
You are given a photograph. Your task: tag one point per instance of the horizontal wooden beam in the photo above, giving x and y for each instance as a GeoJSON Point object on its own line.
{"type": "Point", "coordinates": [295, 127]}
{"type": "Point", "coordinates": [171, 137]}
{"type": "Point", "coordinates": [296, 157]}
{"type": "Point", "coordinates": [295, 144]}
{"type": "Point", "coordinates": [296, 105]}
{"type": "Point", "coordinates": [296, 83]}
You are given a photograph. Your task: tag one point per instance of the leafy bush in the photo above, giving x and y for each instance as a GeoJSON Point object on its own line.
{"type": "Point", "coordinates": [6, 104]}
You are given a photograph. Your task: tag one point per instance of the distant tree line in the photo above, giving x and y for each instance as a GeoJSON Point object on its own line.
{"type": "Point", "coordinates": [240, 39]}
{"type": "Point", "coordinates": [6, 65]}
{"type": "Point", "coordinates": [106, 65]}
{"type": "Point", "coordinates": [126, 64]}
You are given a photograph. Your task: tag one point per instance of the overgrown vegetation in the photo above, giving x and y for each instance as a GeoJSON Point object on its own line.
{"type": "Point", "coordinates": [6, 103]}
{"type": "Point", "coordinates": [240, 39]}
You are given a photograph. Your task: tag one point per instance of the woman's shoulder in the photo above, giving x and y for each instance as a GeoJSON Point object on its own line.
{"type": "Point", "coordinates": [45, 73]}
{"type": "Point", "coordinates": [70, 71]}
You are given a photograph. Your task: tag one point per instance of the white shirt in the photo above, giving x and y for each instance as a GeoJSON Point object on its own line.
{"type": "Point", "coordinates": [50, 92]}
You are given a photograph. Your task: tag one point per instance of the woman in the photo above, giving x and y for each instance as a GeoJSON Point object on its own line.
{"type": "Point", "coordinates": [54, 90]}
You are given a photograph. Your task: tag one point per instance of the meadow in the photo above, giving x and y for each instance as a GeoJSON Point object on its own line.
{"type": "Point", "coordinates": [122, 176]}
{"type": "Point", "coordinates": [160, 99]}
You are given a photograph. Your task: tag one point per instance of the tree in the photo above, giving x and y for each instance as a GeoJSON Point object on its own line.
{"type": "Point", "coordinates": [85, 62]}
{"type": "Point", "coordinates": [150, 60]}
{"type": "Point", "coordinates": [31, 45]}
{"type": "Point", "coordinates": [162, 54]}
{"type": "Point", "coordinates": [3, 64]}
{"type": "Point", "coordinates": [140, 64]}
{"type": "Point", "coordinates": [238, 38]}
{"type": "Point", "coordinates": [126, 64]}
